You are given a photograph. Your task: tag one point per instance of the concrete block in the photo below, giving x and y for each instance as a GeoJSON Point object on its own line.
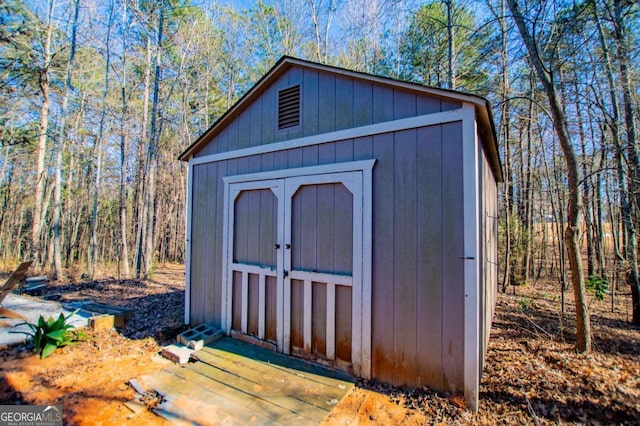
{"type": "Point", "coordinates": [177, 353]}
{"type": "Point", "coordinates": [196, 338]}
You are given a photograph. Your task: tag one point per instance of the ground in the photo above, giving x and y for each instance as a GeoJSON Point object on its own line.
{"type": "Point", "coordinates": [531, 375]}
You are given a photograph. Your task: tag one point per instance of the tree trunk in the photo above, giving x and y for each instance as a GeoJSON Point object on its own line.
{"type": "Point", "coordinates": [506, 137]}
{"type": "Point", "coordinates": [93, 239]}
{"type": "Point", "coordinates": [151, 163]}
{"type": "Point", "coordinates": [586, 187]}
{"type": "Point", "coordinates": [451, 61]}
{"type": "Point", "coordinates": [583, 329]}
{"type": "Point", "coordinates": [632, 152]}
{"type": "Point", "coordinates": [140, 175]}
{"type": "Point", "coordinates": [38, 211]}
{"type": "Point", "coordinates": [57, 203]}
{"type": "Point", "coordinates": [124, 246]}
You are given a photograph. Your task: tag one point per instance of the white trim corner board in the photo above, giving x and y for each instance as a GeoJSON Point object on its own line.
{"type": "Point", "coordinates": [471, 206]}
{"type": "Point", "coordinates": [187, 258]}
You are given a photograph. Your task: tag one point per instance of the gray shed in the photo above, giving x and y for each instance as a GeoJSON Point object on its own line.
{"type": "Point", "coordinates": [349, 219]}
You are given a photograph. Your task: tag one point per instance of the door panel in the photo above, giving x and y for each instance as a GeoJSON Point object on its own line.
{"type": "Point", "coordinates": [297, 314]}
{"type": "Point", "coordinates": [255, 226]}
{"type": "Point", "coordinates": [319, 319]}
{"type": "Point", "coordinates": [254, 260]}
{"type": "Point", "coordinates": [343, 323]}
{"type": "Point", "coordinates": [320, 265]}
{"type": "Point", "coordinates": [322, 229]}
{"type": "Point", "coordinates": [271, 320]}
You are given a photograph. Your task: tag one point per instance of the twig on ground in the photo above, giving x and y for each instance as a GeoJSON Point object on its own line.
{"type": "Point", "coordinates": [531, 410]}
{"type": "Point", "coordinates": [538, 327]}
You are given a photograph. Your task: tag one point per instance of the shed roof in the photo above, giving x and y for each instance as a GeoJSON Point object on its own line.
{"type": "Point", "coordinates": [486, 128]}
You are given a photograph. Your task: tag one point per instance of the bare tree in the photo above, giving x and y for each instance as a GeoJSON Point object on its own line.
{"type": "Point", "coordinates": [44, 80]}
{"type": "Point", "coordinates": [546, 77]}
{"type": "Point", "coordinates": [622, 49]}
{"type": "Point", "coordinates": [57, 204]}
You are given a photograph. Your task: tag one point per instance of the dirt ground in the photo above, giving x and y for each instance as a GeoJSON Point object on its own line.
{"type": "Point", "coordinates": [531, 376]}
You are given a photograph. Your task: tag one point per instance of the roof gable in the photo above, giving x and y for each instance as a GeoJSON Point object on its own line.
{"type": "Point", "coordinates": [287, 64]}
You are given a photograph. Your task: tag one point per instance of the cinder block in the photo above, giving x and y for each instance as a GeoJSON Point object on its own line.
{"type": "Point", "coordinates": [177, 353]}
{"type": "Point", "coordinates": [196, 338]}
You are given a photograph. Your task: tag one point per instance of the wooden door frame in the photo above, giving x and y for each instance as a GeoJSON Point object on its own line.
{"type": "Point", "coordinates": [361, 302]}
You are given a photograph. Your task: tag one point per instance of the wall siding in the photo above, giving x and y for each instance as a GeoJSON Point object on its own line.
{"type": "Point", "coordinates": [417, 273]}
{"type": "Point", "coordinates": [329, 103]}
{"type": "Point", "coordinates": [489, 249]}
{"type": "Point", "coordinates": [452, 251]}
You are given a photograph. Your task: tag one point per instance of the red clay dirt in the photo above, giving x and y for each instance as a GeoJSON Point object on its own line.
{"type": "Point", "coordinates": [531, 376]}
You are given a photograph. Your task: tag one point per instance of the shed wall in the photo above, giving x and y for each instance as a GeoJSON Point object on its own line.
{"type": "Point", "coordinates": [417, 276]}
{"type": "Point", "coordinates": [489, 248]}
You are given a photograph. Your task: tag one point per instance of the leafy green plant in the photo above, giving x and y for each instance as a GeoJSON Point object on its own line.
{"type": "Point", "coordinates": [525, 303]}
{"type": "Point", "coordinates": [50, 334]}
{"type": "Point", "coordinates": [599, 285]}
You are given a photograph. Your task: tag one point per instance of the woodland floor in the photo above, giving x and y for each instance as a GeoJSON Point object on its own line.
{"type": "Point", "coordinates": [531, 375]}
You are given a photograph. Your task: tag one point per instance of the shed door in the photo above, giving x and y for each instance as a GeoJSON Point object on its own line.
{"type": "Point", "coordinates": [295, 274]}
{"type": "Point", "coordinates": [253, 284]}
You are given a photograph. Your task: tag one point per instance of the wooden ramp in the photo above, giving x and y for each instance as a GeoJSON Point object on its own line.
{"type": "Point", "coordinates": [236, 383]}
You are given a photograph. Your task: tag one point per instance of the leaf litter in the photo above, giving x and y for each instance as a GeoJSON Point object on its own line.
{"type": "Point", "coordinates": [532, 374]}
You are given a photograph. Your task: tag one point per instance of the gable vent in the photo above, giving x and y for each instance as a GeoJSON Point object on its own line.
{"type": "Point", "coordinates": [289, 107]}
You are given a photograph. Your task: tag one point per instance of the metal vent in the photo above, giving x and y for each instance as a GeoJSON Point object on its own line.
{"type": "Point", "coordinates": [289, 107]}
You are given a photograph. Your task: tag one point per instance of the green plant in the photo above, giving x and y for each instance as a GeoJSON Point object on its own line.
{"type": "Point", "coordinates": [50, 334]}
{"type": "Point", "coordinates": [524, 303]}
{"type": "Point", "coordinates": [599, 285]}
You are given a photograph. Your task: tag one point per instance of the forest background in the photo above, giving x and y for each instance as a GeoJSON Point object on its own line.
{"type": "Point", "coordinates": [99, 97]}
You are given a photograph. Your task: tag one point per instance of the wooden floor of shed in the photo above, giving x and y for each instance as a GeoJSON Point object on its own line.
{"type": "Point", "coordinates": [233, 382]}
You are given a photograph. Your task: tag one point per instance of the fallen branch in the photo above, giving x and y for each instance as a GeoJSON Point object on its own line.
{"type": "Point", "coordinates": [538, 327]}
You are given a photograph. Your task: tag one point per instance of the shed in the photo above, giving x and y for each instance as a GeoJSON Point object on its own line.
{"type": "Point", "coordinates": [349, 219]}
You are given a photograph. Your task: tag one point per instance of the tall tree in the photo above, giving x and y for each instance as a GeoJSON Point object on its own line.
{"type": "Point", "coordinates": [41, 179]}
{"type": "Point", "coordinates": [61, 135]}
{"type": "Point", "coordinates": [623, 58]}
{"type": "Point", "coordinates": [442, 48]}
{"type": "Point", "coordinates": [124, 116]}
{"type": "Point", "coordinates": [545, 73]}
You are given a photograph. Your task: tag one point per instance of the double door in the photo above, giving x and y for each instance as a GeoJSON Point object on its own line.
{"type": "Point", "coordinates": [293, 267]}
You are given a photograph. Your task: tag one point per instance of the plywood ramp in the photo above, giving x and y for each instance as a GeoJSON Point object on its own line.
{"type": "Point", "coordinates": [235, 383]}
